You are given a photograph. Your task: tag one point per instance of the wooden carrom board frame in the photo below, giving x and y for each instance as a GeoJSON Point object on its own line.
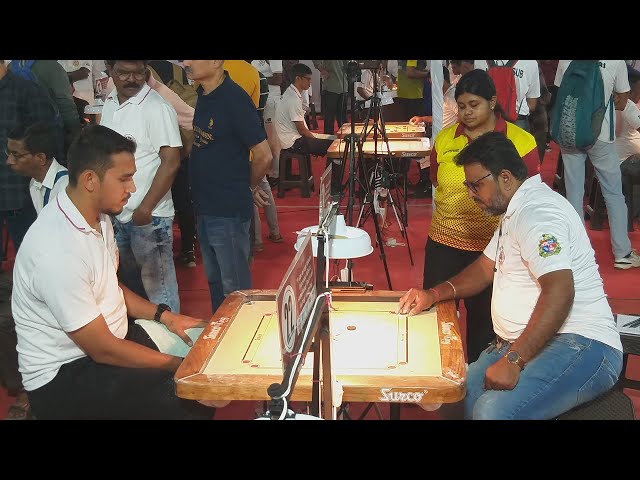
{"type": "Point", "coordinates": [399, 148]}
{"type": "Point", "coordinates": [238, 374]}
{"type": "Point", "coordinates": [394, 130]}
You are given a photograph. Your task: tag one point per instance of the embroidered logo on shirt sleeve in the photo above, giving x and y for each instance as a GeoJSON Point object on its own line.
{"type": "Point", "coordinates": [548, 246]}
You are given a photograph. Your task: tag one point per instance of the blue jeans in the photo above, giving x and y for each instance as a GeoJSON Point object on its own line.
{"type": "Point", "coordinates": [224, 243]}
{"type": "Point", "coordinates": [606, 163]}
{"type": "Point", "coordinates": [570, 370]}
{"type": "Point", "coordinates": [146, 260]}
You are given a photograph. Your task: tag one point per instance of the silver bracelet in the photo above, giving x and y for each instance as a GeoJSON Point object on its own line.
{"type": "Point", "coordinates": [454, 289]}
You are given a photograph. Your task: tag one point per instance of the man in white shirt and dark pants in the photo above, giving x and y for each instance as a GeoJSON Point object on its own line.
{"type": "Point", "coordinates": [79, 356]}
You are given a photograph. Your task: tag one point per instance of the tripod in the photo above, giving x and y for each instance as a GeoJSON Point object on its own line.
{"type": "Point", "coordinates": [379, 177]}
{"type": "Point", "coordinates": [351, 141]}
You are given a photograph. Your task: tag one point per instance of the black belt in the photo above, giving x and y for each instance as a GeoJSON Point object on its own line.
{"type": "Point", "coordinates": [523, 117]}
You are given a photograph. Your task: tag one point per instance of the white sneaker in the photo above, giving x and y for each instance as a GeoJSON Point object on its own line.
{"type": "Point", "coordinates": [630, 261]}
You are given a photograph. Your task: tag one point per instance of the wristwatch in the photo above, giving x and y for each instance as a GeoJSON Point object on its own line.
{"type": "Point", "coordinates": [514, 357]}
{"type": "Point", "coordinates": [162, 307]}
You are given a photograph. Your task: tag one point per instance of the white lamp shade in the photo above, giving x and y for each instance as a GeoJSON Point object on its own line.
{"type": "Point", "coordinates": [356, 245]}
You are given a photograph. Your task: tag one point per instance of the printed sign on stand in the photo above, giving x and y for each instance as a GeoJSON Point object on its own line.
{"type": "Point", "coordinates": [295, 299]}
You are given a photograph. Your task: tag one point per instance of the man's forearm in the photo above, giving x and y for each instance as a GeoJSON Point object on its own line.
{"type": "Point", "coordinates": [260, 163]}
{"type": "Point", "coordinates": [162, 181]}
{"type": "Point", "coordinates": [137, 307]}
{"type": "Point", "coordinates": [471, 281]}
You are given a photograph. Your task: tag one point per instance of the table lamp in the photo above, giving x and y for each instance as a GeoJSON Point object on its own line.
{"type": "Point", "coordinates": [344, 242]}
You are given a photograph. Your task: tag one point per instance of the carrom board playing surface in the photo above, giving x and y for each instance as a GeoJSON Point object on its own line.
{"type": "Point", "coordinates": [394, 130]}
{"type": "Point", "coordinates": [377, 355]}
{"type": "Point", "coordinates": [397, 148]}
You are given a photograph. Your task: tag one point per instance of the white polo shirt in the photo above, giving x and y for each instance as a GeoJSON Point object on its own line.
{"type": "Point", "coordinates": [64, 277]}
{"type": "Point", "coordinates": [151, 122]}
{"type": "Point", "coordinates": [289, 110]}
{"type": "Point", "coordinates": [542, 233]}
{"type": "Point", "coordinates": [614, 78]}
{"type": "Point", "coordinates": [38, 190]}
{"type": "Point", "coordinates": [527, 81]}
{"type": "Point", "coordinates": [450, 108]}
{"type": "Point", "coordinates": [627, 135]}
{"type": "Point", "coordinates": [268, 68]}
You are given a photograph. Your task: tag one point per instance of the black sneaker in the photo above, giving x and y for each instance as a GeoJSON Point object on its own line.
{"type": "Point", "coordinates": [188, 259]}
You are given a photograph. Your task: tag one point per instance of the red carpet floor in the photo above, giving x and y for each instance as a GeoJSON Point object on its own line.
{"type": "Point", "coordinates": [295, 213]}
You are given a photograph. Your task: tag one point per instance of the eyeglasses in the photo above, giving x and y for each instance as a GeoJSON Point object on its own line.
{"type": "Point", "coordinates": [473, 186]}
{"type": "Point", "coordinates": [15, 155]}
{"type": "Point", "coordinates": [122, 76]}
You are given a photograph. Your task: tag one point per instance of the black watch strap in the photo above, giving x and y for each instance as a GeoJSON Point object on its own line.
{"type": "Point", "coordinates": [162, 307]}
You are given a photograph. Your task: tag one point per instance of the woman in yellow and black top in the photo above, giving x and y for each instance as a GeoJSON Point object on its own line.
{"type": "Point", "coordinates": [459, 229]}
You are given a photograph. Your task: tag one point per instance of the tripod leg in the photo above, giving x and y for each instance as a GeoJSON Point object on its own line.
{"type": "Point", "coordinates": [378, 234]}
{"type": "Point", "coordinates": [403, 230]}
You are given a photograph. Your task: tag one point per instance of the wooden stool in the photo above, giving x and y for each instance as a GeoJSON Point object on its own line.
{"type": "Point", "coordinates": [304, 180]}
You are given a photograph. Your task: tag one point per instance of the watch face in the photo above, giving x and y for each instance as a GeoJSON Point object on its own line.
{"type": "Point", "coordinates": [513, 357]}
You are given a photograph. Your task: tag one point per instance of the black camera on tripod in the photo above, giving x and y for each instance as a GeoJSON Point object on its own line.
{"type": "Point", "coordinates": [353, 71]}
{"type": "Point", "coordinates": [354, 68]}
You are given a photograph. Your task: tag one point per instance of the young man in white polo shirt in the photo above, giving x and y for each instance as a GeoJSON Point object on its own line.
{"type": "Point", "coordinates": [290, 124]}
{"type": "Point", "coordinates": [144, 229]}
{"type": "Point", "coordinates": [79, 356]}
{"type": "Point", "coordinates": [557, 344]}
{"type": "Point", "coordinates": [31, 153]}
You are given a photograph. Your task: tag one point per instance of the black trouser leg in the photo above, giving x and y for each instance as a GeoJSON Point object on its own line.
{"type": "Point", "coordinates": [442, 262]}
{"type": "Point", "coordinates": [183, 204]}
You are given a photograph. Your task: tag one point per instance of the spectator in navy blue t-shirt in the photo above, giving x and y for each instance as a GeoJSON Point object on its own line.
{"type": "Point", "coordinates": [229, 157]}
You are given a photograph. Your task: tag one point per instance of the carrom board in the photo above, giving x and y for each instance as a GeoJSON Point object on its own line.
{"type": "Point", "coordinates": [377, 355]}
{"type": "Point", "coordinates": [399, 148]}
{"type": "Point", "coordinates": [394, 130]}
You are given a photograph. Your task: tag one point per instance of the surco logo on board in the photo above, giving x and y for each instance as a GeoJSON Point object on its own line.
{"type": "Point", "coordinates": [388, 395]}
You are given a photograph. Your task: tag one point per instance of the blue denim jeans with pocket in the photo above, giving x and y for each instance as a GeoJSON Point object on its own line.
{"type": "Point", "coordinates": [224, 244]}
{"type": "Point", "coordinates": [146, 260]}
{"type": "Point", "coordinates": [570, 370]}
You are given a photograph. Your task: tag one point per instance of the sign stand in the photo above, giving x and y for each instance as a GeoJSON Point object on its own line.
{"type": "Point", "coordinates": [303, 313]}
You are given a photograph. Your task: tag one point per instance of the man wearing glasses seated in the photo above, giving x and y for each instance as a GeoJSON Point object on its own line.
{"type": "Point", "coordinates": [556, 344]}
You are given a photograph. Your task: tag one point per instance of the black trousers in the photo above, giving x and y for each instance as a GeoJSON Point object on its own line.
{"type": "Point", "coordinates": [183, 203]}
{"type": "Point", "coordinates": [334, 111]}
{"type": "Point", "coordinates": [84, 389]}
{"type": "Point", "coordinates": [442, 262]}
{"type": "Point", "coordinates": [630, 170]}
{"type": "Point", "coordinates": [10, 377]}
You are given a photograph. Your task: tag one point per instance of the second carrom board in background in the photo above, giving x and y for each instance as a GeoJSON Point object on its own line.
{"type": "Point", "coordinates": [394, 130]}
{"type": "Point", "coordinates": [398, 148]}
